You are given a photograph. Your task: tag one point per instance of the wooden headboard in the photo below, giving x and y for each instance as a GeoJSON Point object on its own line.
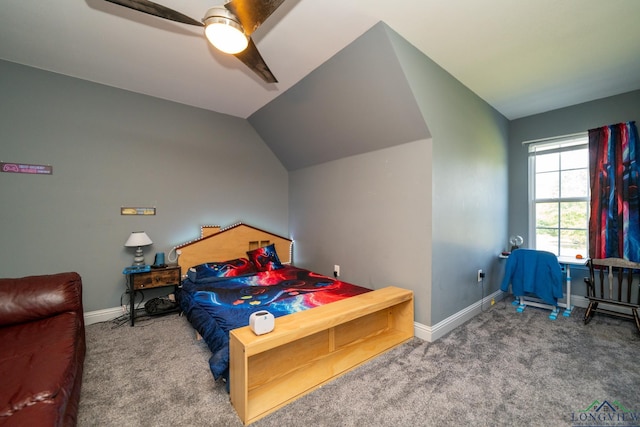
{"type": "Point", "coordinates": [221, 244]}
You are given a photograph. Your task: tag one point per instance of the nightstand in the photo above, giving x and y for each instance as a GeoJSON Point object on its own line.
{"type": "Point", "coordinates": [154, 278]}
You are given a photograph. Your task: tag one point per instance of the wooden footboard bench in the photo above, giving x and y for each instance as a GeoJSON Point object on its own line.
{"type": "Point", "coordinates": [310, 348]}
{"type": "Point", "coordinates": [306, 349]}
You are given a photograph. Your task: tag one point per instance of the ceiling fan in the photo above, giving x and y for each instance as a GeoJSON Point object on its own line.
{"type": "Point", "coordinates": [232, 23]}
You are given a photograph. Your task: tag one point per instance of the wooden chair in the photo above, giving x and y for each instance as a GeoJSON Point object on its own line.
{"type": "Point", "coordinates": [619, 289]}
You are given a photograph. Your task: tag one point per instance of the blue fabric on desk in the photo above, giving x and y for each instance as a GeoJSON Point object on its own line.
{"type": "Point", "coordinates": [532, 271]}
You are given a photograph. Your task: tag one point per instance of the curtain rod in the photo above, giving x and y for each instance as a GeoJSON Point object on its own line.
{"type": "Point", "coordinates": [554, 138]}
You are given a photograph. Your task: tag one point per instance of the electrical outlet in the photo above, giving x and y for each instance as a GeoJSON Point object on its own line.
{"type": "Point", "coordinates": [336, 270]}
{"type": "Point", "coordinates": [480, 275]}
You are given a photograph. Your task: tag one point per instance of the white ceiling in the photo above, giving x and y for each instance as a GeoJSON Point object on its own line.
{"type": "Point", "coordinates": [521, 56]}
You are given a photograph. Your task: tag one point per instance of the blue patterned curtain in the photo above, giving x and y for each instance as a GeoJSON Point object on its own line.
{"type": "Point", "coordinates": [614, 223]}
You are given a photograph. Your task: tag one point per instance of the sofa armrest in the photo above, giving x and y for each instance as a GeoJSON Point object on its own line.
{"type": "Point", "coordinates": [35, 297]}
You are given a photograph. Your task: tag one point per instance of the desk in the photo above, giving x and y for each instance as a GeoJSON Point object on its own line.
{"type": "Point", "coordinates": [565, 262]}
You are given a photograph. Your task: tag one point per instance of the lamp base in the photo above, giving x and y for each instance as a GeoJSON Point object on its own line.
{"type": "Point", "coordinates": [138, 258]}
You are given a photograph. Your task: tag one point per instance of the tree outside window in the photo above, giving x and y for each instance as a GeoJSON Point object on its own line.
{"type": "Point", "coordinates": [559, 196]}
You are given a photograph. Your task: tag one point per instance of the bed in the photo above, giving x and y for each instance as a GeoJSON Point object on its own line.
{"type": "Point", "coordinates": [323, 327]}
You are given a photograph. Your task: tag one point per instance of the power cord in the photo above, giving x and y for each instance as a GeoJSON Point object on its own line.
{"type": "Point", "coordinates": [176, 252]}
{"type": "Point", "coordinates": [482, 294]}
{"type": "Point", "coordinates": [126, 307]}
{"type": "Point", "coordinates": [125, 317]}
{"type": "Point", "coordinates": [493, 301]}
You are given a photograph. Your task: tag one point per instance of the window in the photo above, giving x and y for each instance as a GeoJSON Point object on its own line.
{"type": "Point", "coordinates": [559, 195]}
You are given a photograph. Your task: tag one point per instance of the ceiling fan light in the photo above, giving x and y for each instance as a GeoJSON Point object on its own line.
{"type": "Point", "coordinates": [225, 33]}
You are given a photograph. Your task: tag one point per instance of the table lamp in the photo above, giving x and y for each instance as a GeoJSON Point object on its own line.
{"type": "Point", "coordinates": [138, 239]}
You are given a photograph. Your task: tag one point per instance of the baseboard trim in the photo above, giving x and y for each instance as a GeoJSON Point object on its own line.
{"type": "Point", "coordinates": [427, 333]}
{"type": "Point", "coordinates": [579, 301]}
{"type": "Point", "coordinates": [432, 333]}
{"type": "Point", "coordinates": [104, 315]}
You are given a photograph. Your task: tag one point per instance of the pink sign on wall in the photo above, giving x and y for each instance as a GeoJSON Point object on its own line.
{"type": "Point", "coordinates": [26, 168]}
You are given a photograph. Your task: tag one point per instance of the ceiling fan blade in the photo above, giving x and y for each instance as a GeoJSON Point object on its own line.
{"type": "Point", "coordinates": [252, 13]}
{"type": "Point", "coordinates": [158, 10]}
{"type": "Point", "coordinates": [252, 59]}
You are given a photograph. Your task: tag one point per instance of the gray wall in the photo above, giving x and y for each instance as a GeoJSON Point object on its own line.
{"type": "Point", "coordinates": [469, 190]}
{"type": "Point", "coordinates": [424, 215]}
{"type": "Point", "coordinates": [356, 102]}
{"type": "Point", "coordinates": [370, 214]}
{"type": "Point", "coordinates": [564, 121]}
{"type": "Point", "coordinates": [111, 148]}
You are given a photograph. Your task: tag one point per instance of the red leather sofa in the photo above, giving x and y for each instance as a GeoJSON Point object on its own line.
{"type": "Point", "coordinates": [42, 350]}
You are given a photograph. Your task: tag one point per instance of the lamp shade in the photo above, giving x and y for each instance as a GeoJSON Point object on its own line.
{"type": "Point", "coordinates": [138, 238]}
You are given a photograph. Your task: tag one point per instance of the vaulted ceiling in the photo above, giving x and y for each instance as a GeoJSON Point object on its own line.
{"type": "Point", "coordinates": [522, 57]}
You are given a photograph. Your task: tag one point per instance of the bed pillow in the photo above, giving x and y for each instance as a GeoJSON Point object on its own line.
{"type": "Point", "coordinates": [265, 258]}
{"type": "Point", "coordinates": [215, 271]}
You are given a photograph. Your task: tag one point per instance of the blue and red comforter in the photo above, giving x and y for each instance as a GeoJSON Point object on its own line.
{"type": "Point", "coordinates": [216, 307]}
